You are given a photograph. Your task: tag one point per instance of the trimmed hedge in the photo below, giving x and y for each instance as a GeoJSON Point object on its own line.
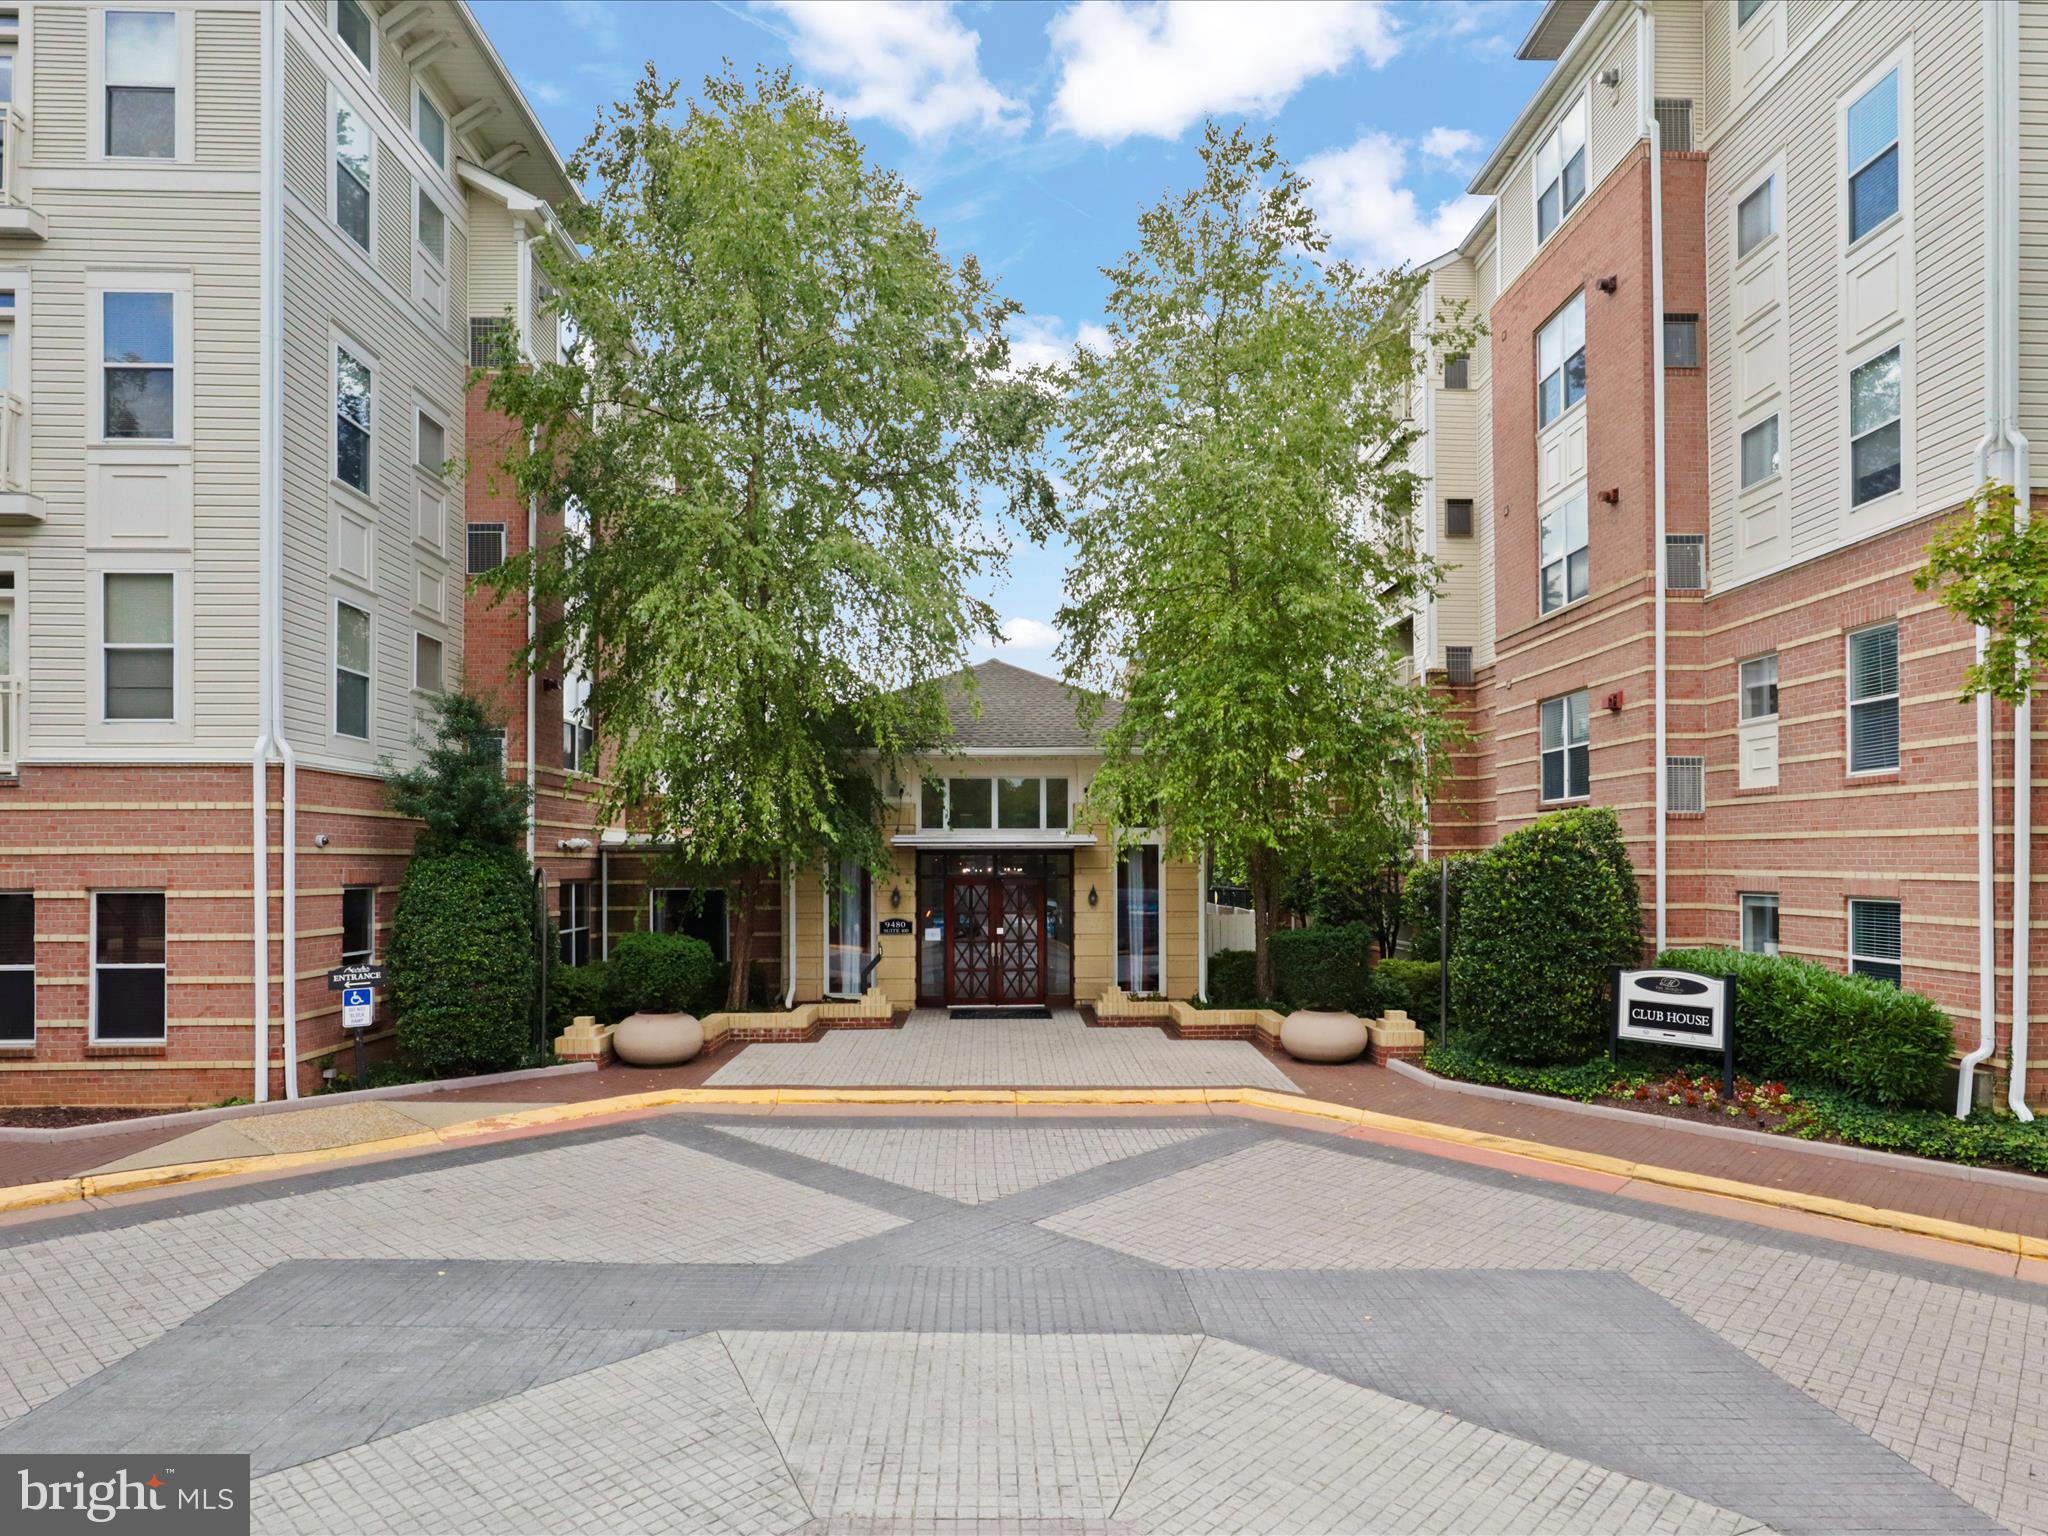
{"type": "Point", "coordinates": [1417, 984]}
{"type": "Point", "coordinates": [1233, 979]}
{"type": "Point", "coordinates": [462, 962]}
{"type": "Point", "coordinates": [574, 990]}
{"type": "Point", "coordinates": [1421, 901]}
{"type": "Point", "coordinates": [1985, 1138]}
{"type": "Point", "coordinates": [1322, 967]}
{"type": "Point", "coordinates": [1586, 1081]}
{"type": "Point", "coordinates": [1547, 912]}
{"type": "Point", "coordinates": [659, 973]}
{"type": "Point", "coordinates": [1799, 1021]}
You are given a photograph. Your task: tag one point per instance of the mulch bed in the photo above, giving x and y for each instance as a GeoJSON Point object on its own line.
{"type": "Point", "coordinates": [56, 1117]}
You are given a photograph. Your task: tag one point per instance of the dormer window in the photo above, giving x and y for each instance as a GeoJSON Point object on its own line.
{"type": "Point", "coordinates": [1561, 170]}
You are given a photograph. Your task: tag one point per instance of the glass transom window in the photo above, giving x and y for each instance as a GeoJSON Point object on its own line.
{"type": "Point", "coordinates": [975, 804]}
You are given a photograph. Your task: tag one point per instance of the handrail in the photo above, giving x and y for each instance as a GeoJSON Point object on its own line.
{"type": "Point", "coordinates": [867, 972]}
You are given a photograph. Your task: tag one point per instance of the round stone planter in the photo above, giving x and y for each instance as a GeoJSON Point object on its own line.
{"type": "Point", "coordinates": [1314, 1034]}
{"type": "Point", "coordinates": [657, 1039]}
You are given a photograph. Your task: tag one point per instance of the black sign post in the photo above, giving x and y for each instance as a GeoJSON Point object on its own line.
{"type": "Point", "coordinates": [1674, 1008]}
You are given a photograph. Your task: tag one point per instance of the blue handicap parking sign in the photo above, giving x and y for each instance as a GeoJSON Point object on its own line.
{"type": "Point", "coordinates": [356, 997]}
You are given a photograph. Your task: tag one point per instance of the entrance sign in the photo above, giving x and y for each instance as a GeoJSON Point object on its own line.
{"type": "Point", "coordinates": [895, 927]}
{"type": "Point", "coordinates": [343, 977]}
{"type": "Point", "coordinates": [355, 1008]}
{"type": "Point", "coordinates": [1675, 1008]}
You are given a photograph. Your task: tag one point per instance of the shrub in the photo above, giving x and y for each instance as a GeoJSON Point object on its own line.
{"type": "Point", "coordinates": [1420, 902]}
{"type": "Point", "coordinates": [462, 961]}
{"type": "Point", "coordinates": [574, 990]}
{"type": "Point", "coordinates": [659, 973]}
{"type": "Point", "coordinates": [1325, 967]}
{"type": "Point", "coordinates": [1983, 1138]}
{"type": "Point", "coordinates": [1417, 981]}
{"type": "Point", "coordinates": [1801, 1021]}
{"type": "Point", "coordinates": [1546, 912]}
{"type": "Point", "coordinates": [458, 790]}
{"type": "Point", "coordinates": [1586, 1081]}
{"type": "Point", "coordinates": [1233, 979]}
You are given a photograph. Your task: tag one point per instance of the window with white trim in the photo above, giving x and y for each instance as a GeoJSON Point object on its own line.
{"type": "Point", "coordinates": [138, 365]}
{"type": "Point", "coordinates": [849, 915]}
{"type": "Point", "coordinates": [1565, 561]}
{"type": "Point", "coordinates": [1756, 217]}
{"type": "Point", "coordinates": [1873, 146]}
{"type": "Point", "coordinates": [426, 663]}
{"type": "Point", "coordinates": [128, 966]}
{"type": "Point", "coordinates": [351, 671]}
{"type": "Point", "coordinates": [1875, 945]}
{"type": "Point", "coordinates": [1561, 361]}
{"type": "Point", "coordinates": [1001, 804]}
{"type": "Point", "coordinates": [1759, 923]}
{"type": "Point", "coordinates": [1758, 688]}
{"type": "Point", "coordinates": [1746, 9]}
{"type": "Point", "coordinates": [1760, 452]}
{"type": "Point", "coordinates": [17, 968]}
{"type": "Point", "coordinates": [1874, 699]}
{"type": "Point", "coordinates": [353, 383]}
{"type": "Point", "coordinates": [430, 127]}
{"type": "Point", "coordinates": [433, 228]}
{"type": "Point", "coordinates": [138, 637]}
{"type": "Point", "coordinates": [358, 34]}
{"type": "Point", "coordinates": [1565, 747]}
{"type": "Point", "coordinates": [1561, 170]}
{"type": "Point", "coordinates": [574, 923]}
{"type": "Point", "coordinates": [140, 71]}
{"type": "Point", "coordinates": [358, 924]}
{"type": "Point", "coordinates": [429, 443]}
{"type": "Point", "coordinates": [351, 154]}
{"type": "Point", "coordinates": [1875, 447]}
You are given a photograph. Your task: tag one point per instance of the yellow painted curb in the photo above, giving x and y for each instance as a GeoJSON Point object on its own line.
{"type": "Point", "coordinates": [90, 1186]}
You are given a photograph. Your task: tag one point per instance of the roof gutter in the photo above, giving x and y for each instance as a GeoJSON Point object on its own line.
{"type": "Point", "coordinates": [1536, 113]}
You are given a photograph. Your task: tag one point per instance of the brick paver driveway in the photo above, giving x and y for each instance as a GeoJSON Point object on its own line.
{"type": "Point", "coordinates": [702, 1324]}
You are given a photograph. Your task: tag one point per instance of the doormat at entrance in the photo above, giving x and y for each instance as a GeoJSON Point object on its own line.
{"type": "Point", "coordinates": [1000, 1013]}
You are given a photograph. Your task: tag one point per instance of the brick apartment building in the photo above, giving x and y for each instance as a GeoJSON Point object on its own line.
{"type": "Point", "coordinates": [1806, 311]}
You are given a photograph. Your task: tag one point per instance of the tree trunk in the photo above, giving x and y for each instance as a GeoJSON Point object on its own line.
{"type": "Point", "coordinates": [1262, 922]}
{"type": "Point", "coordinates": [742, 917]}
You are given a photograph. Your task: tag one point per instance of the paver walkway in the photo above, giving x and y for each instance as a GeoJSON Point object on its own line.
{"type": "Point", "coordinates": [1165, 1325]}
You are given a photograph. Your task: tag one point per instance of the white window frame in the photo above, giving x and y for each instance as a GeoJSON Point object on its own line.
{"type": "Point", "coordinates": [335, 603]}
{"type": "Point", "coordinates": [28, 1041]}
{"type": "Point", "coordinates": [421, 92]}
{"type": "Point", "coordinates": [421, 410]}
{"type": "Point", "coordinates": [865, 894]}
{"type": "Point", "coordinates": [1565, 746]}
{"type": "Point", "coordinates": [98, 284]}
{"type": "Point", "coordinates": [1900, 141]}
{"type": "Point", "coordinates": [1743, 685]}
{"type": "Point", "coordinates": [1741, 21]}
{"type": "Point", "coordinates": [1557, 323]}
{"type": "Point", "coordinates": [1756, 901]}
{"type": "Point", "coordinates": [369, 70]}
{"type": "Point", "coordinates": [358, 956]}
{"type": "Point", "coordinates": [1898, 961]}
{"type": "Point", "coordinates": [1850, 703]}
{"type": "Point", "coordinates": [419, 636]}
{"type": "Point", "coordinates": [96, 86]}
{"type": "Point", "coordinates": [1552, 143]}
{"type": "Point", "coordinates": [338, 343]}
{"type": "Point", "coordinates": [1852, 437]}
{"type": "Point", "coordinates": [1774, 419]}
{"type": "Point", "coordinates": [104, 646]}
{"type": "Point", "coordinates": [340, 98]}
{"type": "Point", "coordinates": [1562, 508]}
{"type": "Point", "coordinates": [93, 968]}
{"type": "Point", "coordinates": [945, 782]}
{"type": "Point", "coordinates": [1769, 188]}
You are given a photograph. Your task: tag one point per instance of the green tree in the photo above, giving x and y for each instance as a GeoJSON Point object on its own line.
{"type": "Point", "coordinates": [1989, 569]}
{"type": "Point", "coordinates": [458, 790]}
{"type": "Point", "coordinates": [1243, 545]}
{"type": "Point", "coordinates": [790, 424]}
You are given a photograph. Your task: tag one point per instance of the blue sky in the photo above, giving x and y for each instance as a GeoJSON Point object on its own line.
{"type": "Point", "coordinates": [1035, 132]}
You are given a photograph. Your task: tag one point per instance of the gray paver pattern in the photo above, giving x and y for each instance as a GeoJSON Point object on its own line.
{"type": "Point", "coordinates": [934, 1051]}
{"type": "Point", "coordinates": [695, 1326]}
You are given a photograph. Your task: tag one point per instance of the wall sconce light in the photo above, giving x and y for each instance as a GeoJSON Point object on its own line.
{"type": "Point", "coordinates": [1092, 897]}
{"type": "Point", "coordinates": [895, 897]}
{"type": "Point", "coordinates": [1612, 496]}
{"type": "Point", "coordinates": [1608, 284]}
{"type": "Point", "coordinates": [1610, 77]}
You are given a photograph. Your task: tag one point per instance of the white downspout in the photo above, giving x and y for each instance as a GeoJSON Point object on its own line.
{"type": "Point", "coordinates": [532, 686]}
{"type": "Point", "coordinates": [1426, 651]}
{"type": "Point", "coordinates": [268, 538]}
{"type": "Point", "coordinates": [1646, 53]}
{"type": "Point", "coordinates": [788, 935]}
{"type": "Point", "coordinates": [1202, 929]}
{"type": "Point", "coordinates": [1987, 447]}
{"type": "Point", "coordinates": [273, 509]}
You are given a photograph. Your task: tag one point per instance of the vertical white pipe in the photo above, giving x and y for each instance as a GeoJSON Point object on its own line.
{"type": "Point", "coordinates": [290, 850]}
{"type": "Point", "coordinates": [269, 575]}
{"type": "Point", "coordinates": [1646, 53]}
{"type": "Point", "coordinates": [1201, 929]}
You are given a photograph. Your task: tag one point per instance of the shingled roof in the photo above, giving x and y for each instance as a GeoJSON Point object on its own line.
{"type": "Point", "coordinates": [1018, 709]}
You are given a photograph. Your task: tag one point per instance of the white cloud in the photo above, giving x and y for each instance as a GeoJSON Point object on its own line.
{"type": "Point", "coordinates": [1039, 340]}
{"type": "Point", "coordinates": [1158, 68]}
{"type": "Point", "coordinates": [1021, 634]}
{"type": "Point", "coordinates": [1449, 148]}
{"type": "Point", "coordinates": [546, 92]}
{"type": "Point", "coordinates": [911, 65]}
{"type": "Point", "coordinates": [1358, 195]}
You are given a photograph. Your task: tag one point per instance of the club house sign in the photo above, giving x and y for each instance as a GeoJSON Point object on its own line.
{"type": "Point", "coordinates": [1675, 1008]}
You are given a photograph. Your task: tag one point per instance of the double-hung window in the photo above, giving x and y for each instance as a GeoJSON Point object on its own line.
{"type": "Point", "coordinates": [1874, 699]}
{"type": "Point", "coordinates": [128, 980]}
{"type": "Point", "coordinates": [1561, 170]}
{"type": "Point", "coordinates": [140, 64]}
{"type": "Point", "coordinates": [358, 924]}
{"type": "Point", "coordinates": [1756, 217]}
{"type": "Point", "coordinates": [1874, 440]}
{"type": "Point", "coordinates": [352, 406]}
{"type": "Point", "coordinates": [358, 34]}
{"type": "Point", "coordinates": [1758, 688]}
{"type": "Point", "coordinates": [1874, 157]}
{"type": "Point", "coordinates": [1565, 561]}
{"type": "Point", "coordinates": [426, 663]}
{"type": "Point", "coordinates": [1875, 948]}
{"type": "Point", "coordinates": [430, 127]}
{"type": "Point", "coordinates": [1760, 452]}
{"type": "Point", "coordinates": [575, 922]}
{"type": "Point", "coordinates": [17, 967]}
{"type": "Point", "coordinates": [1565, 749]}
{"type": "Point", "coordinates": [351, 671]}
{"type": "Point", "coordinates": [1561, 361]}
{"type": "Point", "coordinates": [139, 639]}
{"type": "Point", "coordinates": [433, 228]}
{"type": "Point", "coordinates": [351, 155]}
{"type": "Point", "coordinates": [1759, 923]}
{"type": "Point", "coordinates": [138, 364]}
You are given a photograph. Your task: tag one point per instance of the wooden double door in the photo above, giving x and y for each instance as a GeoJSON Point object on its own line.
{"type": "Point", "coordinates": [995, 939]}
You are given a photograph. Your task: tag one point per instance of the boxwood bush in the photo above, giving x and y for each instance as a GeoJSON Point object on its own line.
{"type": "Point", "coordinates": [1233, 979]}
{"type": "Point", "coordinates": [659, 973]}
{"type": "Point", "coordinates": [1417, 981]}
{"type": "Point", "coordinates": [1422, 900]}
{"type": "Point", "coordinates": [1803, 1022]}
{"type": "Point", "coordinates": [462, 961]}
{"type": "Point", "coordinates": [1546, 912]}
{"type": "Point", "coordinates": [1326, 966]}
{"type": "Point", "coordinates": [574, 990]}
